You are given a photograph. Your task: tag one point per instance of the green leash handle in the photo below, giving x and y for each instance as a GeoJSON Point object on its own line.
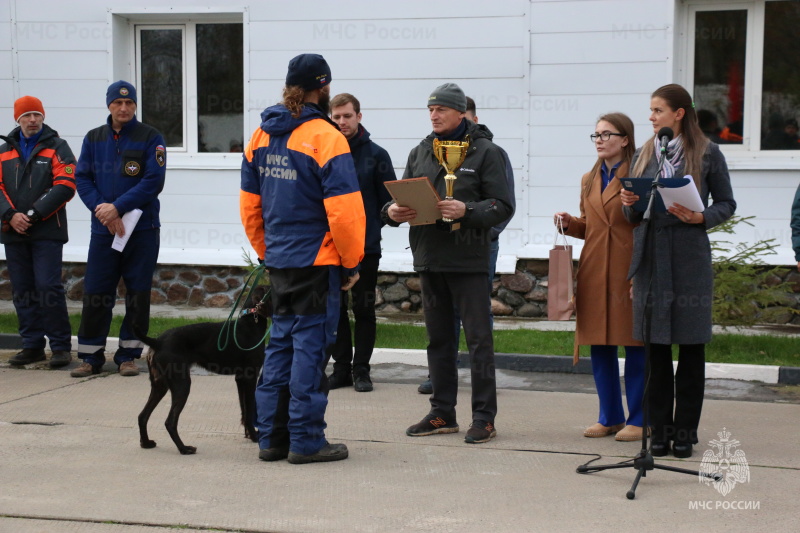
{"type": "Point", "coordinates": [232, 322]}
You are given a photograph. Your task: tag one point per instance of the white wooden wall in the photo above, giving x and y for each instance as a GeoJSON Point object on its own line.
{"type": "Point", "coordinates": [540, 71]}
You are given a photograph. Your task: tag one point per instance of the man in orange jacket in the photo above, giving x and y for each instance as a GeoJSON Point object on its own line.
{"type": "Point", "coordinates": [37, 179]}
{"type": "Point", "coordinates": [303, 213]}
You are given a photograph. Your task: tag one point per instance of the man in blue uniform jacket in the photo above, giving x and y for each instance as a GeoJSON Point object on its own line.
{"type": "Point", "coordinates": [121, 169]}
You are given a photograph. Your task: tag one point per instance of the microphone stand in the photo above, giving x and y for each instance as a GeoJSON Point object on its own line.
{"type": "Point", "coordinates": [643, 462]}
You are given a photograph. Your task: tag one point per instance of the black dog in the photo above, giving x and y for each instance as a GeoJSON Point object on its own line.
{"type": "Point", "coordinates": [174, 352]}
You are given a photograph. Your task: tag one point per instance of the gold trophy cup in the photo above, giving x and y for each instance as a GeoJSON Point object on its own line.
{"type": "Point", "coordinates": [450, 155]}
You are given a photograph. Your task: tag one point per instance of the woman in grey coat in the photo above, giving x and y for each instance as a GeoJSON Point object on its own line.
{"type": "Point", "coordinates": [677, 276]}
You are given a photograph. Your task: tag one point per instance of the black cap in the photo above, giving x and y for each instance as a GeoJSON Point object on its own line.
{"type": "Point", "coordinates": [309, 72]}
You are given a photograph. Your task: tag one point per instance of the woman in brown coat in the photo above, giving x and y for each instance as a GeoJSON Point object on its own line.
{"type": "Point", "coordinates": [603, 301]}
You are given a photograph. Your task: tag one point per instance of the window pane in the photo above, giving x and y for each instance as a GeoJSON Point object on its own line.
{"type": "Point", "coordinates": [780, 101]}
{"type": "Point", "coordinates": [220, 88]}
{"type": "Point", "coordinates": [161, 93]}
{"type": "Point", "coordinates": [720, 40]}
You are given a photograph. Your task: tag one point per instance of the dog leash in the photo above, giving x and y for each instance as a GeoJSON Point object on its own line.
{"type": "Point", "coordinates": [225, 332]}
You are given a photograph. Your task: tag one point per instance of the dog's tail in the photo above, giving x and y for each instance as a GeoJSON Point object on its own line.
{"type": "Point", "coordinates": [139, 334]}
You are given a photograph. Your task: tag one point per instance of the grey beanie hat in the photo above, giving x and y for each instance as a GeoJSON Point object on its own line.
{"type": "Point", "coordinates": [449, 95]}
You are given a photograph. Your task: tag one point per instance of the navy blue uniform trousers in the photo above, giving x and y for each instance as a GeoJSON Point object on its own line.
{"type": "Point", "coordinates": [291, 396]}
{"type": "Point", "coordinates": [35, 271]}
{"type": "Point", "coordinates": [135, 264]}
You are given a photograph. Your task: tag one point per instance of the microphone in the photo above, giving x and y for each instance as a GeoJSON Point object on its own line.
{"type": "Point", "coordinates": [665, 135]}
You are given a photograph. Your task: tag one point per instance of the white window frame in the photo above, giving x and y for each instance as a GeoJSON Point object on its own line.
{"type": "Point", "coordinates": [748, 155]}
{"type": "Point", "coordinates": [122, 64]}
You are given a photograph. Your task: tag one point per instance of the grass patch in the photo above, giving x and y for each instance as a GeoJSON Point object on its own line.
{"type": "Point", "coordinates": [725, 348]}
{"type": "Point", "coordinates": [158, 325]}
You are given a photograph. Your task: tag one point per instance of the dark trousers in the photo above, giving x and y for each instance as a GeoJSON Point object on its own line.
{"type": "Point", "coordinates": [105, 266]}
{"type": "Point", "coordinates": [35, 271]}
{"type": "Point", "coordinates": [291, 393]}
{"type": "Point", "coordinates": [685, 388]}
{"type": "Point", "coordinates": [363, 296]}
{"type": "Point", "coordinates": [442, 293]}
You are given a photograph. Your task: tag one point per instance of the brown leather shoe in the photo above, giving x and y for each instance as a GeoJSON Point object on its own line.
{"type": "Point", "coordinates": [599, 430]}
{"type": "Point", "coordinates": [128, 368]}
{"type": "Point", "coordinates": [85, 370]}
{"type": "Point", "coordinates": [629, 434]}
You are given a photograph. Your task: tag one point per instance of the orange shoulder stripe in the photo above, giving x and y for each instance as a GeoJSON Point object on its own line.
{"type": "Point", "coordinates": [11, 154]}
{"type": "Point", "coordinates": [319, 140]}
{"type": "Point", "coordinates": [259, 139]}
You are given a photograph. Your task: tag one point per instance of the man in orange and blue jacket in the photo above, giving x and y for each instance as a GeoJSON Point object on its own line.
{"type": "Point", "coordinates": [37, 179]}
{"type": "Point", "coordinates": [303, 214]}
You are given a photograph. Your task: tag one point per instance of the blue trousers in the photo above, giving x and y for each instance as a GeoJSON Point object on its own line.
{"type": "Point", "coordinates": [135, 265]}
{"type": "Point", "coordinates": [35, 271]}
{"type": "Point", "coordinates": [605, 367]}
{"type": "Point", "coordinates": [291, 396]}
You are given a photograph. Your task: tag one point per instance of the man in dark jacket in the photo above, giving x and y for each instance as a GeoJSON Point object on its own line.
{"type": "Point", "coordinates": [37, 178]}
{"type": "Point", "coordinates": [374, 168]}
{"type": "Point", "coordinates": [454, 265]}
{"type": "Point", "coordinates": [494, 247]}
{"type": "Point", "coordinates": [120, 172]}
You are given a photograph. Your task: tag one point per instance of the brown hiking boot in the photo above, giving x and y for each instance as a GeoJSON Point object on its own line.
{"type": "Point", "coordinates": [128, 368]}
{"type": "Point", "coordinates": [85, 370]}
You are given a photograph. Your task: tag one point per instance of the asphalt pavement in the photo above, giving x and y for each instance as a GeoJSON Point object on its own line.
{"type": "Point", "coordinates": [70, 461]}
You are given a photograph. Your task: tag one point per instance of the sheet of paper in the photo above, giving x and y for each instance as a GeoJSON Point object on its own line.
{"type": "Point", "coordinates": [129, 220]}
{"type": "Point", "coordinates": [686, 195]}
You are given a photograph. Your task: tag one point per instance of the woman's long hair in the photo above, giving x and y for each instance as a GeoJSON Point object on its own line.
{"type": "Point", "coordinates": [694, 140]}
{"type": "Point", "coordinates": [624, 124]}
{"type": "Point", "coordinates": [293, 97]}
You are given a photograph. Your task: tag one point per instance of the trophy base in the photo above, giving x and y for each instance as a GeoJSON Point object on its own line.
{"type": "Point", "coordinates": [448, 225]}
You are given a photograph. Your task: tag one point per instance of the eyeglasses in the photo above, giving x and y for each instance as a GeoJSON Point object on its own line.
{"type": "Point", "coordinates": [606, 135]}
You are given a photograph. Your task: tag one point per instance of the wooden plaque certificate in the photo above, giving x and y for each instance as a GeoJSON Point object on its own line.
{"type": "Point", "coordinates": [419, 195]}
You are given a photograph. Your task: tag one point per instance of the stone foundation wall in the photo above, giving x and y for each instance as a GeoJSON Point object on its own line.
{"type": "Point", "coordinates": [522, 294]}
{"type": "Point", "coordinates": [196, 286]}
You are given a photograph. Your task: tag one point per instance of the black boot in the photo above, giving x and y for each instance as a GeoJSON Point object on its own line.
{"type": "Point", "coordinates": [339, 379]}
{"type": "Point", "coordinates": [60, 358]}
{"type": "Point", "coordinates": [27, 356]}
{"type": "Point", "coordinates": [682, 450]}
{"type": "Point", "coordinates": [361, 381]}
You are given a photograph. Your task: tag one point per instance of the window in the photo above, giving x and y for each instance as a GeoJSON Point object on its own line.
{"type": "Point", "coordinates": [745, 72]}
{"type": "Point", "coordinates": [780, 91]}
{"type": "Point", "coordinates": [191, 84]}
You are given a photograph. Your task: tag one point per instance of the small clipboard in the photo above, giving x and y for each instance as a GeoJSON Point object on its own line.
{"type": "Point", "coordinates": [419, 195]}
{"type": "Point", "coordinates": [642, 187]}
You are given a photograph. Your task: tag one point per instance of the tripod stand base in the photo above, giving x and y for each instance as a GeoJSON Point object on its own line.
{"type": "Point", "coordinates": [643, 462]}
